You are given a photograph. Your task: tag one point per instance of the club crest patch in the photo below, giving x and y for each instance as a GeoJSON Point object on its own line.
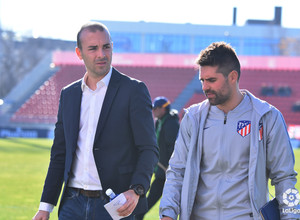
{"type": "Point", "coordinates": [261, 129]}
{"type": "Point", "coordinates": [244, 128]}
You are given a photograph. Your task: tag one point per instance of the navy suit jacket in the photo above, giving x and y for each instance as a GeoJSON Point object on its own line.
{"type": "Point", "coordinates": [125, 148]}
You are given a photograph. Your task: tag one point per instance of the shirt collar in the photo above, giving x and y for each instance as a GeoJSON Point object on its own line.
{"type": "Point", "coordinates": [105, 80]}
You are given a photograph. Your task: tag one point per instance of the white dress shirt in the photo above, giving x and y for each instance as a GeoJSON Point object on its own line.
{"type": "Point", "coordinates": [84, 171]}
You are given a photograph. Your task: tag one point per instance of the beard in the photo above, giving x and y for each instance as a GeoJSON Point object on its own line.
{"type": "Point", "coordinates": [218, 99]}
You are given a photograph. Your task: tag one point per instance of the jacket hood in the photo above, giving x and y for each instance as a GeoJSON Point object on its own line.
{"type": "Point", "coordinates": [261, 107]}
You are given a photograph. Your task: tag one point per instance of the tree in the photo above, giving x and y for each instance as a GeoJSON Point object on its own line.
{"type": "Point", "coordinates": [18, 55]}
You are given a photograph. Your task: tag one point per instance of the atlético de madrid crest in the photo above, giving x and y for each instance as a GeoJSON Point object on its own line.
{"type": "Point", "coordinates": [244, 128]}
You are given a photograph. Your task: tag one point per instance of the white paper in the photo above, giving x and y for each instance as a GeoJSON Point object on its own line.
{"type": "Point", "coordinates": [114, 205]}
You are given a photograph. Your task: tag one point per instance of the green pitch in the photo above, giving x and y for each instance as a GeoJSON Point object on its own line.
{"type": "Point", "coordinates": [23, 166]}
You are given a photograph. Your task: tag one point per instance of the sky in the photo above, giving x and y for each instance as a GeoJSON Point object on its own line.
{"type": "Point", "coordinates": [61, 19]}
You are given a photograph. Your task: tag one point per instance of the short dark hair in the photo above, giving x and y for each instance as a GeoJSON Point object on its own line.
{"type": "Point", "coordinates": [223, 56]}
{"type": "Point", "coordinates": [93, 27]}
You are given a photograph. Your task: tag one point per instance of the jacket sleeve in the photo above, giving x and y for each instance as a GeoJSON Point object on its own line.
{"type": "Point", "coordinates": [142, 125]}
{"type": "Point", "coordinates": [54, 178]}
{"type": "Point", "coordinates": [171, 197]}
{"type": "Point", "coordinates": [280, 160]}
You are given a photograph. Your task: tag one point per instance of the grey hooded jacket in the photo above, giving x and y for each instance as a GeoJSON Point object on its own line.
{"type": "Point", "coordinates": [270, 158]}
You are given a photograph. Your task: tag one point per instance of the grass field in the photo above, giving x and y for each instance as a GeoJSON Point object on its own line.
{"type": "Point", "coordinates": [23, 166]}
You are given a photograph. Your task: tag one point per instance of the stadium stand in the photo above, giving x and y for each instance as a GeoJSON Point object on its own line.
{"type": "Point", "coordinates": [171, 77]}
{"type": "Point", "coordinates": [42, 106]}
{"type": "Point", "coordinates": [161, 81]}
{"type": "Point", "coordinates": [163, 56]}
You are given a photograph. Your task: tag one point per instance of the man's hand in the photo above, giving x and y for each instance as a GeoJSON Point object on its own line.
{"type": "Point", "coordinates": [130, 204]}
{"type": "Point", "coordinates": [166, 218]}
{"type": "Point", "coordinates": [41, 215]}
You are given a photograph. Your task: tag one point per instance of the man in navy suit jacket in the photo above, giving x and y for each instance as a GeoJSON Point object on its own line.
{"type": "Point", "coordinates": [104, 138]}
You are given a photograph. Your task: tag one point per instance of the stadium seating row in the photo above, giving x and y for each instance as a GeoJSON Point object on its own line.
{"type": "Point", "coordinates": [167, 81]}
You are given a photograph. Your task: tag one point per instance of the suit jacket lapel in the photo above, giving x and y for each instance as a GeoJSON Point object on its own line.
{"type": "Point", "coordinates": [111, 92]}
{"type": "Point", "coordinates": [74, 111]}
